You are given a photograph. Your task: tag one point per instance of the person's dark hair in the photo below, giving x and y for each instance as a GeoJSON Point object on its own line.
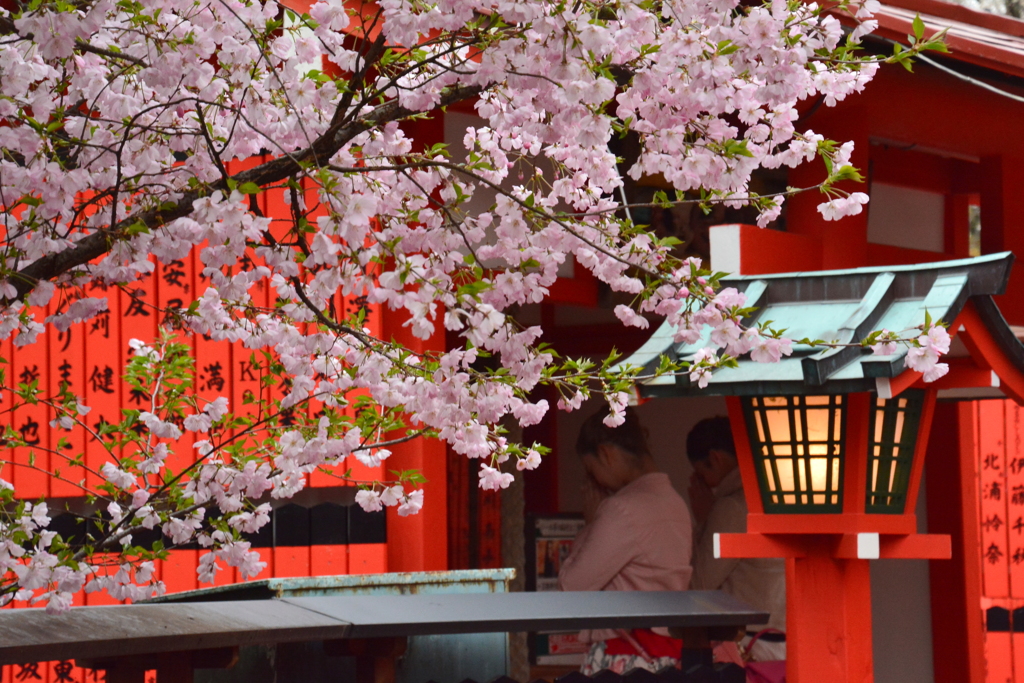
{"type": "Point", "coordinates": [630, 436]}
{"type": "Point", "coordinates": [713, 433]}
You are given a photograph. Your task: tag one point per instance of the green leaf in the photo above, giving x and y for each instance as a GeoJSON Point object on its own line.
{"type": "Point", "coordinates": [918, 27]}
{"type": "Point", "coordinates": [249, 188]}
{"type": "Point", "coordinates": [473, 289]}
{"type": "Point", "coordinates": [848, 173]}
{"type": "Point", "coordinates": [737, 148]}
{"type": "Point", "coordinates": [136, 228]}
{"type": "Point", "coordinates": [727, 47]}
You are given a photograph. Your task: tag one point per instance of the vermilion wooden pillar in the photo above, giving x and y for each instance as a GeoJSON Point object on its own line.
{"type": "Point", "coordinates": [1002, 205]}
{"type": "Point", "coordinates": [843, 243]}
{"type": "Point", "coordinates": [419, 542]}
{"type": "Point", "coordinates": [828, 598]}
{"type": "Point", "coordinates": [828, 617]}
{"type": "Point", "coordinates": [958, 639]}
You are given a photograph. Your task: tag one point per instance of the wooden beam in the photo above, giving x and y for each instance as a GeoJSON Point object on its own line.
{"type": "Point", "coordinates": [760, 545]}
{"type": "Point", "coordinates": [846, 523]}
{"type": "Point", "coordinates": [858, 546]}
{"type": "Point", "coordinates": [855, 453]}
{"type": "Point", "coordinates": [891, 387]}
{"type": "Point", "coordinates": [963, 376]}
{"type": "Point", "coordinates": [917, 546]}
{"type": "Point", "coordinates": [986, 351]}
{"type": "Point", "coordinates": [894, 547]}
{"type": "Point", "coordinates": [920, 449]}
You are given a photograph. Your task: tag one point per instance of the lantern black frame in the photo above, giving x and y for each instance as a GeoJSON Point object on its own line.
{"type": "Point", "coordinates": [802, 498]}
{"type": "Point", "coordinates": [888, 495]}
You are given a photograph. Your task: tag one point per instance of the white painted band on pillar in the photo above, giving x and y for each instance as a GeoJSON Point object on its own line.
{"type": "Point", "coordinates": [868, 546]}
{"type": "Point", "coordinates": [718, 547]}
{"type": "Point", "coordinates": [726, 256]}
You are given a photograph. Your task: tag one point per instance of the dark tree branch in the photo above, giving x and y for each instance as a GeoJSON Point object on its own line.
{"type": "Point", "coordinates": [319, 153]}
{"type": "Point", "coordinates": [103, 52]}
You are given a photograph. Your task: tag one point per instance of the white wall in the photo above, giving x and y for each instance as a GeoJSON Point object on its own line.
{"type": "Point", "coordinates": [902, 615]}
{"type": "Point", "coordinates": [904, 217]}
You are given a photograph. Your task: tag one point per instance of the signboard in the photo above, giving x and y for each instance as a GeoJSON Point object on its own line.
{"type": "Point", "coordinates": [549, 541]}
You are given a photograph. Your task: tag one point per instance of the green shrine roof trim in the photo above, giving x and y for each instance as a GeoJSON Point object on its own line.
{"type": "Point", "coordinates": [845, 306]}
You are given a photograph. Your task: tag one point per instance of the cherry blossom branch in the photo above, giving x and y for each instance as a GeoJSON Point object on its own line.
{"type": "Point", "coordinates": [97, 244]}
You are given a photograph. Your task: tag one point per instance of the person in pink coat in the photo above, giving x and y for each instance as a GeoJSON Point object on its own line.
{"type": "Point", "coordinates": [638, 537]}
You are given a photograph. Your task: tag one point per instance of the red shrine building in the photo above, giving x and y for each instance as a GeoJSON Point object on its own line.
{"type": "Point", "coordinates": [943, 159]}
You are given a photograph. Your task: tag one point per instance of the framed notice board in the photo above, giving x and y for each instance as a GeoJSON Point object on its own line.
{"type": "Point", "coordinates": [549, 540]}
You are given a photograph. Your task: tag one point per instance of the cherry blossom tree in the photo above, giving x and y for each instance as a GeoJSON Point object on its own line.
{"type": "Point", "coordinates": [135, 132]}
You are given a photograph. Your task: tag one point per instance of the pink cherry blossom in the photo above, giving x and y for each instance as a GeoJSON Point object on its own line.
{"type": "Point", "coordinates": [840, 207]}
{"type": "Point", "coordinates": [369, 500]}
{"type": "Point", "coordinates": [493, 479]}
{"type": "Point", "coordinates": [886, 345]}
{"type": "Point", "coordinates": [154, 149]}
{"type": "Point", "coordinates": [770, 350]}
{"type": "Point", "coordinates": [924, 357]}
{"type": "Point", "coordinates": [412, 504]}
{"type": "Point", "coordinates": [700, 367]}
{"type": "Point", "coordinates": [617, 410]}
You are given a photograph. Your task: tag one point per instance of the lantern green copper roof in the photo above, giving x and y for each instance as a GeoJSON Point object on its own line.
{"type": "Point", "coordinates": [842, 306]}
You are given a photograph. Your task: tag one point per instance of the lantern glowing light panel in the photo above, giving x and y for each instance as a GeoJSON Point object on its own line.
{"type": "Point", "coordinates": [893, 430]}
{"type": "Point", "coordinates": [797, 446]}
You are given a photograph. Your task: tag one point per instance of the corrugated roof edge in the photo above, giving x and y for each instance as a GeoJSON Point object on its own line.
{"type": "Point", "coordinates": [948, 10]}
{"type": "Point", "coordinates": [263, 589]}
{"type": "Point", "coordinates": [1002, 50]}
{"type": "Point", "coordinates": [979, 279]}
{"type": "Point", "coordinates": [1006, 256]}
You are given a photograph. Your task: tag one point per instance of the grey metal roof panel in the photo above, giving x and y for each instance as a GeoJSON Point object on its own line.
{"type": "Point", "coordinates": [819, 367]}
{"type": "Point", "coordinates": [121, 630]}
{"type": "Point", "coordinates": [28, 635]}
{"type": "Point", "coordinates": [373, 616]}
{"type": "Point", "coordinates": [824, 321]}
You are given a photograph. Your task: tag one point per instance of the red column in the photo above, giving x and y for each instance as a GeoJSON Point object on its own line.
{"type": "Point", "coordinates": [957, 225]}
{"type": "Point", "coordinates": [828, 600]}
{"type": "Point", "coordinates": [843, 242]}
{"type": "Point", "coordinates": [958, 640]}
{"type": "Point", "coordinates": [828, 618]}
{"type": "Point", "coordinates": [419, 542]}
{"type": "Point", "coordinates": [1002, 207]}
